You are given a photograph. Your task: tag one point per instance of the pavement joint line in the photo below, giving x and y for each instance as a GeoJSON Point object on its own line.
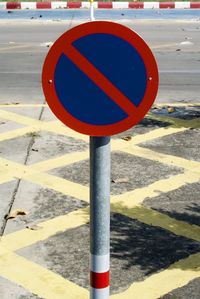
{"type": "Point", "coordinates": [19, 180]}
{"type": "Point", "coordinates": [37, 279]}
{"type": "Point", "coordinates": [10, 205]}
{"type": "Point", "coordinates": [135, 197]}
{"type": "Point", "coordinates": [25, 237]}
{"type": "Point", "coordinates": [154, 218]}
{"type": "Point", "coordinates": [176, 276]}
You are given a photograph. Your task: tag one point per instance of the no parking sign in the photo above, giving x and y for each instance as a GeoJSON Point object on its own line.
{"type": "Point", "coordinates": [100, 78]}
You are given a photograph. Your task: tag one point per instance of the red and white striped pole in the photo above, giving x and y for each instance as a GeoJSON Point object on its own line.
{"type": "Point", "coordinates": [100, 272]}
{"type": "Point", "coordinates": [99, 217]}
{"type": "Point", "coordinates": [99, 279]}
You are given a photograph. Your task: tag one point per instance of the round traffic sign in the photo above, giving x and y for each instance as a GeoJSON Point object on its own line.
{"type": "Point", "coordinates": [100, 78]}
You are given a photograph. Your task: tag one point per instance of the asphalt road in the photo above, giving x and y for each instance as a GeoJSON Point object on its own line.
{"type": "Point", "coordinates": [176, 46]}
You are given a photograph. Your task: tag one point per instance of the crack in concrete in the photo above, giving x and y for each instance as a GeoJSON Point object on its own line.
{"type": "Point", "coordinates": [3, 227]}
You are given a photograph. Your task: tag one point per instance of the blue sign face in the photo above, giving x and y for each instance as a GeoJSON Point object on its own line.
{"type": "Point", "coordinates": [100, 78]}
{"type": "Point", "coordinates": [118, 61]}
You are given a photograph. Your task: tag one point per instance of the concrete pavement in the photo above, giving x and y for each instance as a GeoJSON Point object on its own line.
{"type": "Point", "coordinates": [154, 219]}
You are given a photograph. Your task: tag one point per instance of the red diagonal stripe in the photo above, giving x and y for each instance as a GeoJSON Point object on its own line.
{"type": "Point", "coordinates": [100, 80]}
{"type": "Point", "coordinates": [99, 280]}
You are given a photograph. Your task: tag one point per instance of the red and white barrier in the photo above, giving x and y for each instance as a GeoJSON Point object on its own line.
{"type": "Point", "coordinates": [99, 5]}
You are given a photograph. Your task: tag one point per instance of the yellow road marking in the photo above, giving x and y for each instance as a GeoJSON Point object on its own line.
{"type": "Point", "coordinates": [154, 134]}
{"type": "Point", "coordinates": [18, 132]}
{"type": "Point", "coordinates": [5, 178]}
{"type": "Point", "coordinates": [12, 105]}
{"type": "Point", "coordinates": [15, 169]}
{"type": "Point", "coordinates": [163, 46]}
{"type": "Point", "coordinates": [58, 128]}
{"type": "Point", "coordinates": [60, 185]}
{"type": "Point", "coordinates": [19, 118]}
{"type": "Point", "coordinates": [162, 158]}
{"type": "Point", "coordinates": [52, 126]}
{"type": "Point", "coordinates": [82, 192]}
{"type": "Point", "coordinates": [31, 173]}
{"type": "Point", "coordinates": [137, 196]}
{"type": "Point", "coordinates": [14, 47]}
{"type": "Point", "coordinates": [64, 160]}
{"type": "Point", "coordinates": [23, 238]}
{"type": "Point", "coordinates": [37, 279]}
{"type": "Point", "coordinates": [153, 218]}
{"type": "Point", "coordinates": [120, 144]}
{"type": "Point", "coordinates": [49, 285]}
{"type": "Point", "coordinates": [159, 284]}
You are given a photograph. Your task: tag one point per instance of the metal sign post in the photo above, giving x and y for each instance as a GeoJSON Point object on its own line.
{"type": "Point", "coordinates": [99, 217]}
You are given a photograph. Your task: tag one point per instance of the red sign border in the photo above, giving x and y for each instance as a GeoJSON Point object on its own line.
{"type": "Point", "coordinates": [67, 39]}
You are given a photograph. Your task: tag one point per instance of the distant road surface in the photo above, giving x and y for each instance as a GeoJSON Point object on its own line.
{"type": "Point", "coordinates": [174, 37]}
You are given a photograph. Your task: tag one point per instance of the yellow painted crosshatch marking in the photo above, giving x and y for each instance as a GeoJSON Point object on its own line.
{"type": "Point", "coordinates": [128, 204]}
{"type": "Point", "coordinates": [159, 284]}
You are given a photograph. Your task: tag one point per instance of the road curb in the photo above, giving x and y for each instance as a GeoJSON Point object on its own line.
{"type": "Point", "coordinates": [99, 5]}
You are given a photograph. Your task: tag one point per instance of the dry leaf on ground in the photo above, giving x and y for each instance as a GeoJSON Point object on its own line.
{"type": "Point", "coordinates": [127, 138]}
{"type": "Point", "coordinates": [120, 180]}
{"type": "Point", "coordinates": [15, 213]}
{"type": "Point", "coordinates": [33, 227]}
